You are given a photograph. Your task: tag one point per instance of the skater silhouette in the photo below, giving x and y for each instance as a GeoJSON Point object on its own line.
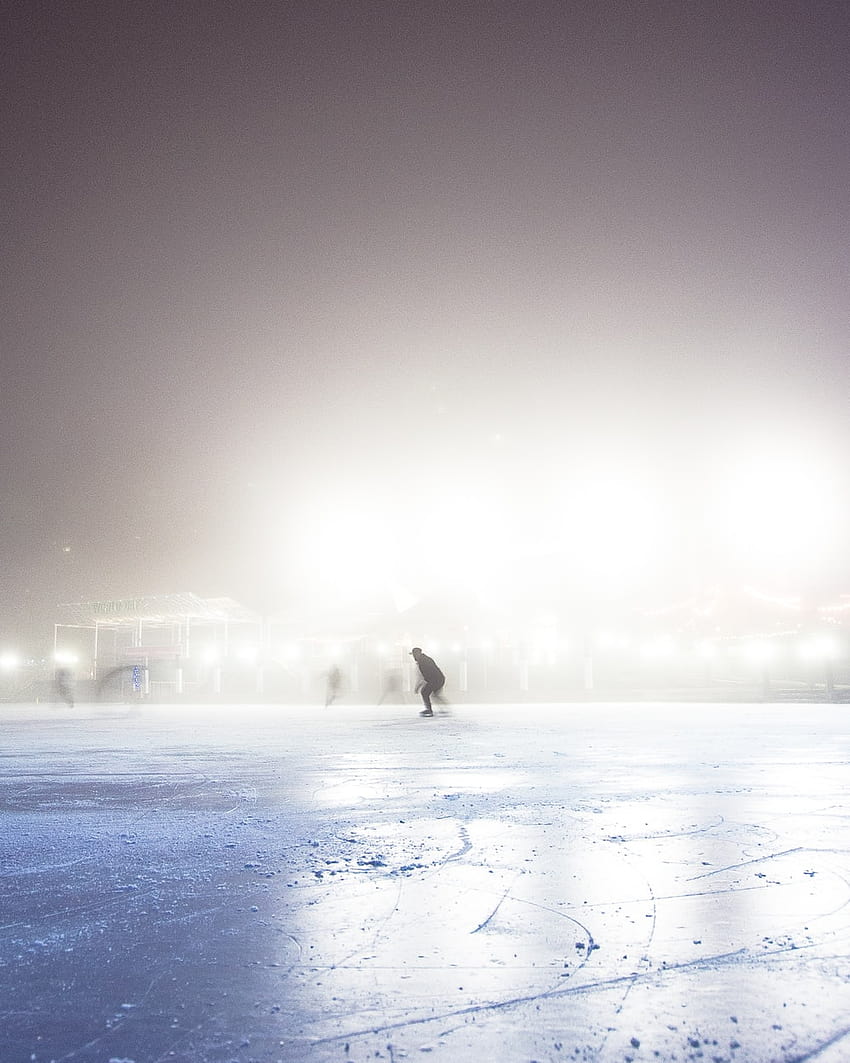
{"type": "Point", "coordinates": [392, 686]}
{"type": "Point", "coordinates": [62, 683]}
{"type": "Point", "coordinates": [334, 678]}
{"type": "Point", "coordinates": [432, 681]}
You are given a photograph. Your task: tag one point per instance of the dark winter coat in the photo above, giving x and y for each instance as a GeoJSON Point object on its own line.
{"type": "Point", "coordinates": [429, 670]}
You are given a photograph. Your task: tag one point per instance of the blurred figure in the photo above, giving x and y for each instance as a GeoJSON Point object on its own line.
{"type": "Point", "coordinates": [432, 682]}
{"type": "Point", "coordinates": [111, 685]}
{"type": "Point", "coordinates": [334, 682]}
{"type": "Point", "coordinates": [62, 681]}
{"type": "Point", "coordinates": [392, 686]}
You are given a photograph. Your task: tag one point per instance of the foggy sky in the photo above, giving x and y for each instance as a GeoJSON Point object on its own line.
{"type": "Point", "coordinates": [253, 252]}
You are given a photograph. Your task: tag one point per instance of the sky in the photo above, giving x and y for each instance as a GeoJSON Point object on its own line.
{"type": "Point", "coordinates": [307, 297]}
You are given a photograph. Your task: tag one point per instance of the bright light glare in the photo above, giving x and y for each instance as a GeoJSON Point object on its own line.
{"type": "Point", "coordinates": [777, 510]}
{"type": "Point", "coordinates": [462, 542]}
{"type": "Point", "coordinates": [346, 550]}
{"type": "Point", "coordinates": [612, 640]}
{"type": "Point", "coordinates": [604, 526]}
{"type": "Point", "coordinates": [760, 652]}
{"type": "Point", "coordinates": [65, 657]}
{"type": "Point", "coordinates": [613, 528]}
{"type": "Point", "coordinates": [9, 661]}
{"type": "Point", "coordinates": [819, 648]}
{"type": "Point", "coordinates": [608, 524]}
{"type": "Point", "coordinates": [659, 649]}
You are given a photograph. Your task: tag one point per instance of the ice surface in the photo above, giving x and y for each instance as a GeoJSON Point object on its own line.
{"type": "Point", "coordinates": [503, 883]}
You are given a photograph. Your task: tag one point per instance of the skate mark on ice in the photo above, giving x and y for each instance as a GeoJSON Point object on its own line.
{"type": "Point", "coordinates": [498, 906]}
{"type": "Point", "coordinates": [747, 863]}
{"type": "Point", "coordinates": [660, 835]}
{"type": "Point", "coordinates": [656, 898]}
{"type": "Point", "coordinates": [562, 991]}
{"type": "Point", "coordinates": [373, 940]}
{"type": "Point", "coordinates": [465, 847]}
{"type": "Point", "coordinates": [645, 963]}
{"type": "Point", "coordinates": [821, 1048]}
{"type": "Point", "coordinates": [93, 906]}
{"type": "Point", "coordinates": [170, 1051]}
{"type": "Point", "coordinates": [20, 871]}
{"type": "Point", "coordinates": [298, 946]}
{"type": "Point", "coordinates": [704, 893]}
{"type": "Point", "coordinates": [246, 796]}
{"type": "Point", "coordinates": [120, 1022]}
{"type": "Point", "coordinates": [591, 945]}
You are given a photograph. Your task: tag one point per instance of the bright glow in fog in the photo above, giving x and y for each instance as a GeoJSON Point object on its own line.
{"type": "Point", "coordinates": [760, 652]}
{"type": "Point", "coordinates": [612, 640]}
{"type": "Point", "coordinates": [609, 525]}
{"type": "Point", "coordinates": [465, 539]}
{"type": "Point", "coordinates": [777, 509]}
{"type": "Point", "coordinates": [458, 540]}
{"type": "Point", "coordinates": [9, 661]}
{"type": "Point", "coordinates": [820, 648]}
{"type": "Point", "coordinates": [606, 529]}
{"type": "Point", "coordinates": [345, 548]}
{"type": "Point", "coordinates": [705, 649]}
{"type": "Point", "coordinates": [614, 524]}
{"type": "Point", "coordinates": [659, 649]}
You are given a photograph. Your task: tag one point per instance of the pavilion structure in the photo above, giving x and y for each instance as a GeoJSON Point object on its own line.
{"type": "Point", "coordinates": [162, 637]}
{"type": "Point", "coordinates": [726, 646]}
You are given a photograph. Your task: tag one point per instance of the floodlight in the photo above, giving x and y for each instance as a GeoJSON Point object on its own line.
{"type": "Point", "coordinates": [777, 510]}
{"type": "Point", "coordinates": [760, 652]}
{"type": "Point", "coordinates": [345, 548]}
{"type": "Point", "coordinates": [819, 648]}
{"type": "Point", "coordinates": [9, 661]}
{"type": "Point", "coordinates": [611, 640]}
{"type": "Point", "coordinates": [614, 528]}
{"type": "Point", "coordinates": [659, 649]}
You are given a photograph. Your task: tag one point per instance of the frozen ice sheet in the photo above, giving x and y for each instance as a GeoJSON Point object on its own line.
{"type": "Point", "coordinates": [511, 883]}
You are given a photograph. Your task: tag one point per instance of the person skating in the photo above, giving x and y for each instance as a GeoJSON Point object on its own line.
{"type": "Point", "coordinates": [62, 684]}
{"type": "Point", "coordinates": [432, 682]}
{"type": "Point", "coordinates": [334, 682]}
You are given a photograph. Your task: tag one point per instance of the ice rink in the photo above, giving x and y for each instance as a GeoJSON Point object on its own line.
{"type": "Point", "coordinates": [501, 883]}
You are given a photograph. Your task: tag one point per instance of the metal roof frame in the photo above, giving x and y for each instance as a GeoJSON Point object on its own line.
{"type": "Point", "coordinates": [158, 609]}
